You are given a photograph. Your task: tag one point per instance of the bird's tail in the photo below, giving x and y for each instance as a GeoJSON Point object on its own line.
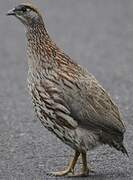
{"type": "Point", "coordinates": [120, 147]}
{"type": "Point", "coordinates": [114, 140]}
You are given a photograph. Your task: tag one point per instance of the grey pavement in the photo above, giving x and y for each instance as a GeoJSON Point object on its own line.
{"type": "Point", "coordinates": [99, 35]}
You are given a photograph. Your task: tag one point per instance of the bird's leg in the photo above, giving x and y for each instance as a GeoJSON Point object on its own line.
{"type": "Point", "coordinates": [85, 170]}
{"type": "Point", "coordinates": [70, 167]}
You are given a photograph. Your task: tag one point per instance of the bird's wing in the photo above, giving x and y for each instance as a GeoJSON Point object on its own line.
{"type": "Point", "coordinates": [92, 107]}
{"type": "Point", "coordinates": [83, 103]}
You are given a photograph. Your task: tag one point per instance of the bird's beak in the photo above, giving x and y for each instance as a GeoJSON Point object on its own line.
{"type": "Point", "coordinates": [11, 12]}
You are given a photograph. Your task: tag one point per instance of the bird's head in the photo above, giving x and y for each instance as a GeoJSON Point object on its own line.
{"type": "Point", "coordinates": [27, 14]}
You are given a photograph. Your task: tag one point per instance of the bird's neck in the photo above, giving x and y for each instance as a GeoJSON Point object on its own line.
{"type": "Point", "coordinates": [37, 37]}
{"type": "Point", "coordinates": [37, 31]}
{"type": "Point", "coordinates": [39, 47]}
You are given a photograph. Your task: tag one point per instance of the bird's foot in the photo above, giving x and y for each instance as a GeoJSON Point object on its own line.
{"type": "Point", "coordinates": [62, 173]}
{"type": "Point", "coordinates": [86, 169]}
{"type": "Point", "coordinates": [69, 169]}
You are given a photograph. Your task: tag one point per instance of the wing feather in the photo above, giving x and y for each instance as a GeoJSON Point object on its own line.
{"type": "Point", "coordinates": [92, 107]}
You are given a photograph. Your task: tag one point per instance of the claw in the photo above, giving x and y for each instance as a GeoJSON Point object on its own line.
{"type": "Point", "coordinates": [61, 173]}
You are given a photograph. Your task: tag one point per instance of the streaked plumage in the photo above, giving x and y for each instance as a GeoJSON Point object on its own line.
{"type": "Point", "coordinates": [67, 99]}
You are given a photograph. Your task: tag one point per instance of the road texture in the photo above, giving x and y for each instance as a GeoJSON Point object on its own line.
{"type": "Point", "coordinates": [99, 35]}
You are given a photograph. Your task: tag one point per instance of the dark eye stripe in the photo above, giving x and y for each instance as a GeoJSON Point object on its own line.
{"type": "Point", "coordinates": [24, 8]}
{"type": "Point", "coordinates": [21, 8]}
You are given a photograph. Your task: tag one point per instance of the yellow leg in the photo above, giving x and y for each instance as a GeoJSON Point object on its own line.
{"type": "Point", "coordinates": [85, 170]}
{"type": "Point", "coordinates": [69, 169]}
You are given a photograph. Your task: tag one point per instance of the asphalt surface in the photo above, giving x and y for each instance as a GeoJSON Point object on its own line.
{"type": "Point", "coordinates": [99, 35]}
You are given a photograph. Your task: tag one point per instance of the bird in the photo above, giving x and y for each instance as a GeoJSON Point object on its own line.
{"type": "Point", "coordinates": [67, 99]}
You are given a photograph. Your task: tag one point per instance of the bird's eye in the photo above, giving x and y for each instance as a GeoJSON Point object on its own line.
{"type": "Point", "coordinates": [24, 9]}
